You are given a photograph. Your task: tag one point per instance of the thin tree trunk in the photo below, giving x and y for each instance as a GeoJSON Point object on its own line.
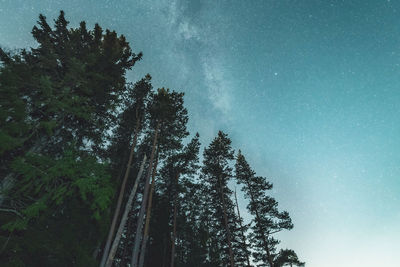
{"type": "Point", "coordinates": [174, 223]}
{"type": "Point", "coordinates": [124, 218]}
{"type": "Point", "coordinates": [241, 230]}
{"type": "Point", "coordinates": [139, 227]}
{"type": "Point", "coordinates": [148, 215]}
{"type": "Point", "coordinates": [120, 197]}
{"type": "Point", "coordinates": [164, 253]}
{"type": "Point", "coordinates": [228, 234]}
{"type": "Point", "coordinates": [270, 261]}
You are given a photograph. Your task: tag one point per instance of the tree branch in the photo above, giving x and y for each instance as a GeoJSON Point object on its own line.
{"type": "Point", "coordinates": [12, 211]}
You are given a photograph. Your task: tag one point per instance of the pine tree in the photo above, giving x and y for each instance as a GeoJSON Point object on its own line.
{"type": "Point", "coordinates": [267, 219]}
{"type": "Point", "coordinates": [242, 229]}
{"type": "Point", "coordinates": [70, 126]}
{"type": "Point", "coordinates": [216, 173]}
{"type": "Point", "coordinates": [124, 218]}
{"type": "Point", "coordinates": [185, 164]}
{"type": "Point", "coordinates": [137, 107]}
{"type": "Point", "coordinates": [287, 257]}
{"type": "Point", "coordinates": [168, 118]}
{"type": "Point", "coordinates": [178, 168]}
{"type": "Point", "coordinates": [59, 102]}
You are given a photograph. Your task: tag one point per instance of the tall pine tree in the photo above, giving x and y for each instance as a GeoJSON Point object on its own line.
{"type": "Point", "coordinates": [268, 220]}
{"type": "Point", "coordinates": [224, 237]}
{"type": "Point", "coordinates": [65, 91]}
{"type": "Point", "coordinates": [168, 119]}
{"type": "Point", "coordinates": [135, 108]}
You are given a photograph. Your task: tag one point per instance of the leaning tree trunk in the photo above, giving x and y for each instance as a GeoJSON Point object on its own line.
{"type": "Point", "coordinates": [120, 197]}
{"type": "Point", "coordinates": [148, 215]}
{"type": "Point", "coordinates": [174, 223]}
{"type": "Point", "coordinates": [241, 230]}
{"type": "Point", "coordinates": [228, 233]}
{"type": "Point", "coordinates": [139, 227]}
{"type": "Point", "coordinates": [124, 218]}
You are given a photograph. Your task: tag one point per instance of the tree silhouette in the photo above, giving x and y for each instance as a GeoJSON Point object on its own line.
{"type": "Point", "coordinates": [267, 219]}
{"type": "Point", "coordinates": [287, 257]}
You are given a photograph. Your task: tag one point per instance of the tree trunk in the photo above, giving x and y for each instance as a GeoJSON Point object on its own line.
{"type": "Point", "coordinates": [228, 234]}
{"type": "Point", "coordinates": [148, 215]}
{"type": "Point", "coordinates": [241, 230]}
{"type": "Point", "coordinates": [164, 253]}
{"type": "Point", "coordinates": [124, 218]}
{"type": "Point", "coordinates": [139, 227]}
{"type": "Point", "coordinates": [120, 197]}
{"type": "Point", "coordinates": [174, 223]}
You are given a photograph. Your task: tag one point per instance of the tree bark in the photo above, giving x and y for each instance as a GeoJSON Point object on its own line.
{"type": "Point", "coordinates": [139, 227]}
{"type": "Point", "coordinates": [120, 197]}
{"type": "Point", "coordinates": [164, 253]}
{"type": "Point", "coordinates": [124, 218]}
{"type": "Point", "coordinates": [174, 223]}
{"type": "Point", "coordinates": [148, 215]}
{"type": "Point", "coordinates": [241, 230]}
{"type": "Point", "coordinates": [228, 234]}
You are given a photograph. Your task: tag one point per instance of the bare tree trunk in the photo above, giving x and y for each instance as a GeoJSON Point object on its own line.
{"type": "Point", "coordinates": [139, 227]}
{"type": "Point", "coordinates": [164, 253]}
{"type": "Point", "coordinates": [148, 215]}
{"type": "Point", "coordinates": [228, 233]}
{"type": "Point", "coordinates": [174, 223]}
{"type": "Point", "coordinates": [241, 230]}
{"type": "Point", "coordinates": [124, 218]}
{"type": "Point", "coordinates": [120, 197]}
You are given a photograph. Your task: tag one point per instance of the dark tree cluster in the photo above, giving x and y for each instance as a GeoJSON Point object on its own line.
{"type": "Point", "coordinates": [96, 170]}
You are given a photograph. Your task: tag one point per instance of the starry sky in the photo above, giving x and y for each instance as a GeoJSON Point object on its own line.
{"type": "Point", "coordinates": [308, 90]}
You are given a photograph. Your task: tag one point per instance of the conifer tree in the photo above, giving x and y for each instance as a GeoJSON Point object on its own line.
{"type": "Point", "coordinates": [216, 173]}
{"type": "Point", "coordinates": [178, 168]}
{"type": "Point", "coordinates": [176, 212]}
{"type": "Point", "coordinates": [185, 164]}
{"type": "Point", "coordinates": [168, 118]}
{"type": "Point", "coordinates": [124, 218]}
{"type": "Point", "coordinates": [242, 229]}
{"type": "Point", "coordinates": [65, 91]}
{"type": "Point", "coordinates": [71, 126]}
{"type": "Point", "coordinates": [268, 220]}
{"type": "Point", "coordinates": [287, 257]}
{"type": "Point", "coordinates": [135, 109]}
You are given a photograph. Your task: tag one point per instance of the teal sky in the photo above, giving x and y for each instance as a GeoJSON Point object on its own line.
{"type": "Point", "coordinates": [309, 90]}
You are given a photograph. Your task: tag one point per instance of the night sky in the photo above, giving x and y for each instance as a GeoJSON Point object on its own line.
{"type": "Point", "coordinates": [308, 90]}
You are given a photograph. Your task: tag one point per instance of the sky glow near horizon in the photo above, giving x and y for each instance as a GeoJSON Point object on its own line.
{"type": "Point", "coordinates": [308, 90]}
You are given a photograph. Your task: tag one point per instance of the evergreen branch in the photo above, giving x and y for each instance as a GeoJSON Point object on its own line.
{"type": "Point", "coordinates": [12, 211]}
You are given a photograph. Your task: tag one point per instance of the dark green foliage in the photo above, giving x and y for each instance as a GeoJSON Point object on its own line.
{"type": "Point", "coordinates": [68, 120]}
{"type": "Point", "coordinates": [130, 122]}
{"type": "Point", "coordinates": [68, 86]}
{"type": "Point", "coordinates": [287, 257]}
{"type": "Point", "coordinates": [216, 173]}
{"type": "Point", "coordinates": [176, 189]}
{"type": "Point", "coordinates": [49, 183]}
{"type": "Point", "coordinates": [167, 126]}
{"type": "Point", "coordinates": [166, 109]}
{"type": "Point", "coordinates": [267, 220]}
{"type": "Point", "coordinates": [58, 102]}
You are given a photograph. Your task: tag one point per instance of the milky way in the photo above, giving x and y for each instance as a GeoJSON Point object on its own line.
{"type": "Point", "coordinates": [309, 90]}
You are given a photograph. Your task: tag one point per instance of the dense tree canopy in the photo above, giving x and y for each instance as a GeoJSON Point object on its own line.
{"type": "Point", "coordinates": [71, 126]}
